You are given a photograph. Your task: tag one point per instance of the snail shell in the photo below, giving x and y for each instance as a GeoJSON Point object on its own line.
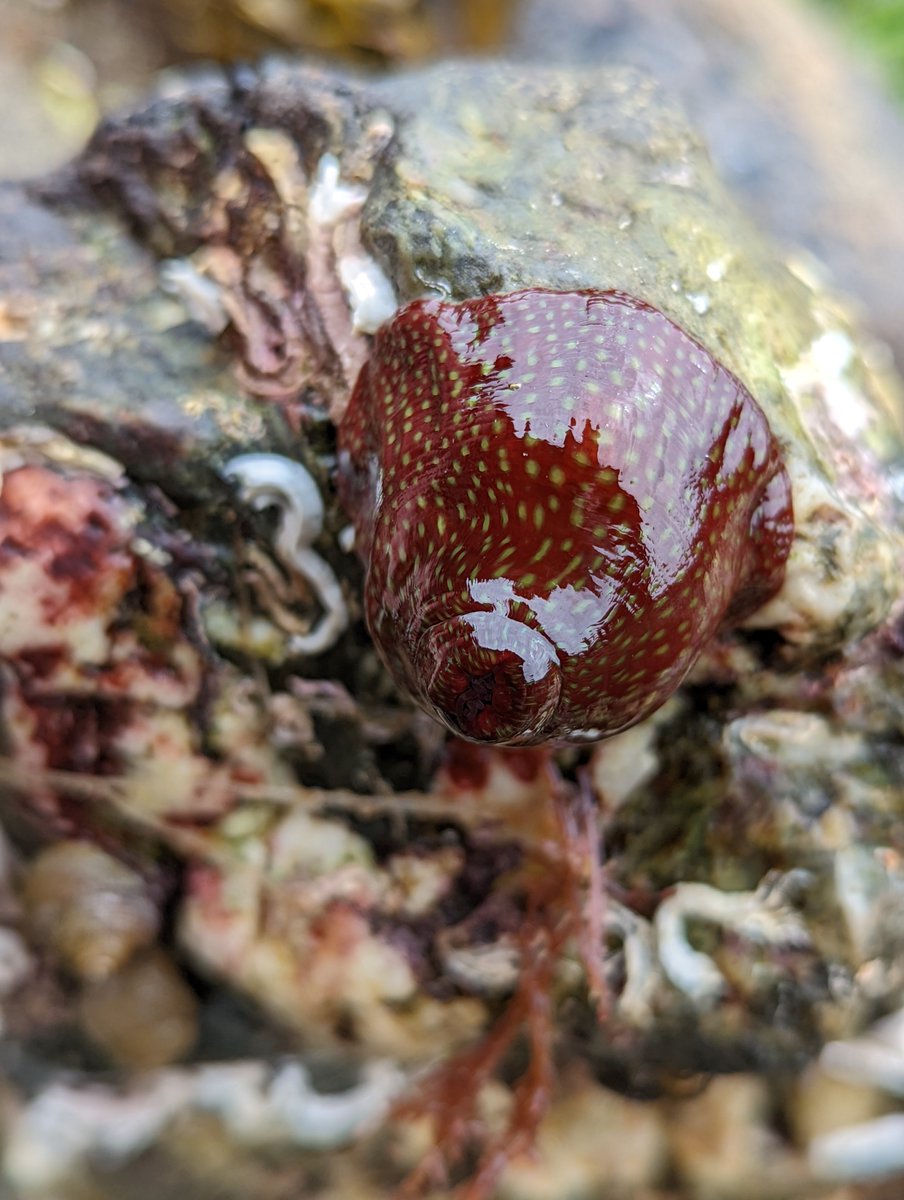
{"type": "Point", "coordinates": [560, 497]}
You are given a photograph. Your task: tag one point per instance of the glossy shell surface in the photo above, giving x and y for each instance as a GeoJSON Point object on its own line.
{"type": "Point", "coordinates": [561, 497]}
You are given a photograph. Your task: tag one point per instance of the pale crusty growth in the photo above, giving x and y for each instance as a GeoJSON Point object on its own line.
{"type": "Point", "coordinates": [561, 497]}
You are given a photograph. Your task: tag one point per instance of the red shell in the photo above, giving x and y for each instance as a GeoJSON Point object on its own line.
{"type": "Point", "coordinates": [561, 497]}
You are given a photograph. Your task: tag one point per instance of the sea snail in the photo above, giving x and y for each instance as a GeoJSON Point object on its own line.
{"type": "Point", "coordinates": [561, 497]}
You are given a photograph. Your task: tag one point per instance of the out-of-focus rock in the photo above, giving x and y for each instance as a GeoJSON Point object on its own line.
{"type": "Point", "coordinates": [143, 1016]}
{"type": "Point", "coordinates": [88, 909]}
{"type": "Point", "coordinates": [798, 129]}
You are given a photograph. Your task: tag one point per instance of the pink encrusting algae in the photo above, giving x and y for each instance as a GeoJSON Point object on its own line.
{"type": "Point", "coordinates": [561, 498]}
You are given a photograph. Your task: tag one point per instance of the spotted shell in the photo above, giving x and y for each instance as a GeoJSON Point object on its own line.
{"type": "Point", "coordinates": [560, 497]}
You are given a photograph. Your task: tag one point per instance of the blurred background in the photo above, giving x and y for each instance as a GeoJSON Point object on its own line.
{"type": "Point", "coordinates": [63, 63]}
